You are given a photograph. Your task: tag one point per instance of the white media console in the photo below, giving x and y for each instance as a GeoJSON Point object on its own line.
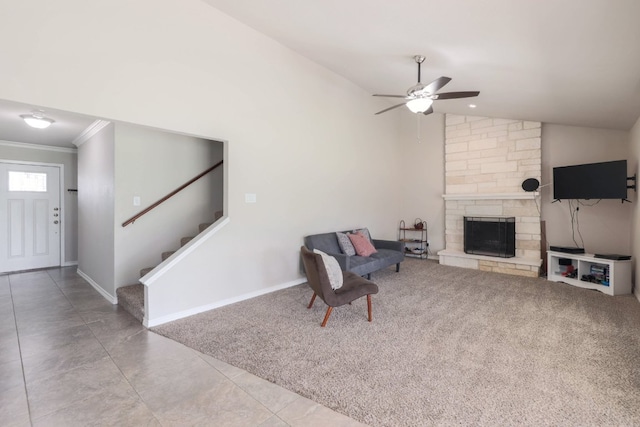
{"type": "Point", "coordinates": [617, 272]}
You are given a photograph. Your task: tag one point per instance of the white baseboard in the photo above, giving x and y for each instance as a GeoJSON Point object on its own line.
{"type": "Point", "coordinates": [69, 263]}
{"type": "Point", "coordinates": [112, 299]}
{"type": "Point", "coordinates": [150, 323]}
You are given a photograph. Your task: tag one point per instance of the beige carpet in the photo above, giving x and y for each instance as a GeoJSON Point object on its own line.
{"type": "Point", "coordinates": [447, 346]}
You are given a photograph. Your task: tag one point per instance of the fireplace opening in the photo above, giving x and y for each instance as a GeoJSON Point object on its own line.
{"type": "Point", "coordinates": [492, 236]}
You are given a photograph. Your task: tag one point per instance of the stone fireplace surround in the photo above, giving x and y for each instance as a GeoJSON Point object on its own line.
{"type": "Point", "coordinates": [486, 160]}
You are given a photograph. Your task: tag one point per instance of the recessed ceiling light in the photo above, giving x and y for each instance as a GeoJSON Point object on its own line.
{"type": "Point", "coordinates": [37, 119]}
{"type": "Point", "coordinates": [472, 105]}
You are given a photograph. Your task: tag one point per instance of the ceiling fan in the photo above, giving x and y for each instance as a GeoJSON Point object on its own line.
{"type": "Point", "coordinates": [420, 97]}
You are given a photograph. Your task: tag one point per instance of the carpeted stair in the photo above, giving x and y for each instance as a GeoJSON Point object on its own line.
{"type": "Point", "coordinates": [131, 298]}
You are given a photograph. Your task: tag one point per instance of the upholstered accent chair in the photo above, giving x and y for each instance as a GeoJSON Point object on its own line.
{"type": "Point", "coordinates": [353, 286]}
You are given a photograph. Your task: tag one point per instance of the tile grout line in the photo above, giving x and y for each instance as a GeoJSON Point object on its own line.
{"type": "Point", "coordinates": [24, 378]}
{"type": "Point", "coordinates": [122, 373]}
{"type": "Point", "coordinates": [84, 321]}
{"type": "Point", "coordinates": [233, 380]}
{"type": "Point", "coordinates": [77, 367]}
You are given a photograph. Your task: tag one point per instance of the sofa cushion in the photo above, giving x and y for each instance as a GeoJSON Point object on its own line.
{"type": "Point", "coordinates": [334, 272]}
{"type": "Point", "coordinates": [388, 256]}
{"type": "Point", "coordinates": [361, 265]}
{"type": "Point", "coordinates": [326, 242]}
{"type": "Point", "coordinates": [345, 244]}
{"type": "Point", "coordinates": [361, 244]}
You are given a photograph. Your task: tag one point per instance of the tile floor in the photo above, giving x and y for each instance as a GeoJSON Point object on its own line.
{"type": "Point", "coordinates": [70, 358]}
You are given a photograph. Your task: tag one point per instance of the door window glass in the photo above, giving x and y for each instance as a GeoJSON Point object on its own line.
{"type": "Point", "coordinates": [27, 181]}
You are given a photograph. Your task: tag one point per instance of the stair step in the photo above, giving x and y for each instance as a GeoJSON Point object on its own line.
{"type": "Point", "coordinates": [185, 240]}
{"type": "Point", "coordinates": [166, 255]}
{"type": "Point", "coordinates": [217, 215]}
{"type": "Point", "coordinates": [145, 271]}
{"type": "Point", "coordinates": [204, 226]}
{"type": "Point", "coordinates": [131, 299]}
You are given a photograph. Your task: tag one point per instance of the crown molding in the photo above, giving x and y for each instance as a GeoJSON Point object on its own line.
{"type": "Point", "coordinates": [93, 129]}
{"type": "Point", "coordinates": [38, 147]}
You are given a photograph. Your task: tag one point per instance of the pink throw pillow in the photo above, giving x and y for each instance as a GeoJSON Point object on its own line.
{"type": "Point", "coordinates": [361, 244]}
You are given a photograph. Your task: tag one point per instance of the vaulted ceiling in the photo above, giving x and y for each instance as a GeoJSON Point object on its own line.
{"type": "Point", "coordinates": [574, 62]}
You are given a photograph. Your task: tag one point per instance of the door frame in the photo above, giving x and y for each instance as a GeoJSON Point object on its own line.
{"type": "Point", "coordinates": [62, 205]}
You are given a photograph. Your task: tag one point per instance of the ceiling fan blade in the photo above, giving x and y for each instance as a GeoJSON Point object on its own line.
{"type": "Point", "coordinates": [390, 108]}
{"type": "Point", "coordinates": [436, 85]}
{"type": "Point", "coordinates": [429, 110]}
{"type": "Point", "coordinates": [454, 95]}
{"type": "Point", "coordinates": [391, 96]}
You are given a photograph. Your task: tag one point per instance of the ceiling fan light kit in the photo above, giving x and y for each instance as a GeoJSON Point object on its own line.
{"type": "Point", "coordinates": [37, 119]}
{"type": "Point", "coordinates": [419, 105]}
{"type": "Point", "coordinates": [420, 96]}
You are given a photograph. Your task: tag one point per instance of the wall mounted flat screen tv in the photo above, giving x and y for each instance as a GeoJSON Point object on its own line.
{"type": "Point", "coordinates": [606, 180]}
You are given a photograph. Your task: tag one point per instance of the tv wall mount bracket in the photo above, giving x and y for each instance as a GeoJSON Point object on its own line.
{"type": "Point", "coordinates": [632, 178]}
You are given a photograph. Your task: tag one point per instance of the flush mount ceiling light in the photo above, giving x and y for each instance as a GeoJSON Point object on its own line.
{"type": "Point", "coordinates": [37, 119]}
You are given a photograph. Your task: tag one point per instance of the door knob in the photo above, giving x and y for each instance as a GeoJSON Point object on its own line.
{"type": "Point", "coordinates": [55, 215]}
{"type": "Point", "coordinates": [55, 209]}
{"type": "Point", "coordinates": [55, 222]}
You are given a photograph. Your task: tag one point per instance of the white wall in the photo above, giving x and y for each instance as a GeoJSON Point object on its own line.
{"type": "Point", "coordinates": [96, 201]}
{"type": "Point", "coordinates": [634, 157]}
{"type": "Point", "coordinates": [421, 181]}
{"type": "Point", "coordinates": [605, 227]}
{"type": "Point", "coordinates": [151, 164]}
{"type": "Point", "coordinates": [68, 158]}
{"type": "Point", "coordinates": [303, 139]}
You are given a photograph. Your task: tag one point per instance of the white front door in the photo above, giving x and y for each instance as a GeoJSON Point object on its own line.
{"type": "Point", "coordinates": [30, 216]}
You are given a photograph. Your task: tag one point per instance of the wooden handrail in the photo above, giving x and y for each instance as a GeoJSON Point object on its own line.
{"type": "Point", "coordinates": [168, 196]}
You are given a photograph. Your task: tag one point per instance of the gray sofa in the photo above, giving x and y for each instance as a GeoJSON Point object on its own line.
{"type": "Point", "coordinates": [389, 252]}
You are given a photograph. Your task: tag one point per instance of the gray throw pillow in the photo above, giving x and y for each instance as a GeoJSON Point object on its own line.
{"type": "Point", "coordinates": [333, 269]}
{"type": "Point", "coordinates": [365, 233]}
{"type": "Point", "coordinates": [345, 244]}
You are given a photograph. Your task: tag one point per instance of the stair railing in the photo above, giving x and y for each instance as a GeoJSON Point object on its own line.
{"type": "Point", "coordinates": [168, 196]}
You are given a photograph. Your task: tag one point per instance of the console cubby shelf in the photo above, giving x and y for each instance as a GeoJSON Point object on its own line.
{"type": "Point", "coordinates": [618, 272]}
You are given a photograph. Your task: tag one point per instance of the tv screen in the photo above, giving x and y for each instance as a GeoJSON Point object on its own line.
{"type": "Point", "coordinates": [606, 180]}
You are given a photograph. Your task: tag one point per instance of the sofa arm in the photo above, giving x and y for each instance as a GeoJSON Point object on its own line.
{"type": "Point", "coordinates": [388, 244]}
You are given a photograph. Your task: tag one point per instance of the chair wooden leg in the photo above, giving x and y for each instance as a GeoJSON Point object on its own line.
{"type": "Point", "coordinates": [326, 317]}
{"type": "Point", "coordinates": [369, 306]}
{"type": "Point", "coordinates": [313, 298]}
{"type": "Point", "coordinates": [397, 267]}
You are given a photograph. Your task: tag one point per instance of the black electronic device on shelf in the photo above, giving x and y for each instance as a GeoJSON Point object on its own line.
{"type": "Point", "coordinates": [566, 249]}
{"type": "Point", "coordinates": [616, 257]}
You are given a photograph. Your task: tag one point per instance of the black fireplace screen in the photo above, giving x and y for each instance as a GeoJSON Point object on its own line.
{"type": "Point", "coordinates": [493, 236]}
